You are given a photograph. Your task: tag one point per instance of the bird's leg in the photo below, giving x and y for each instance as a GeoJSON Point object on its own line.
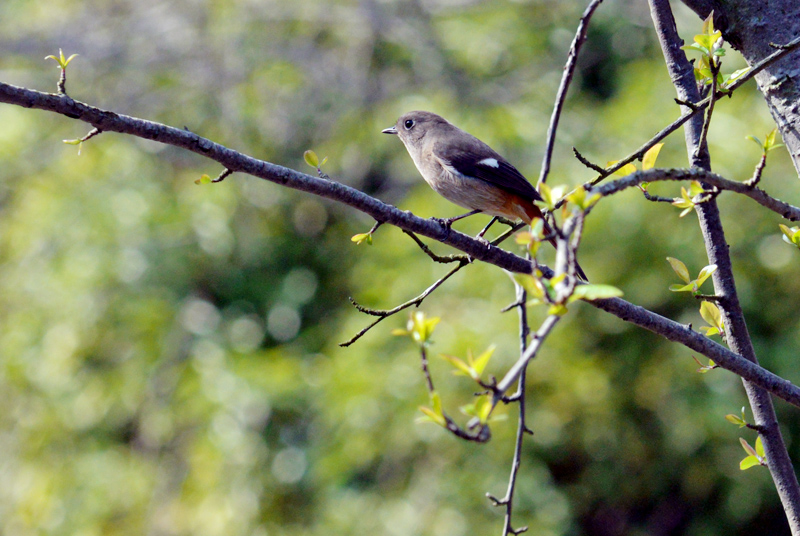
{"type": "Point", "coordinates": [447, 222]}
{"type": "Point", "coordinates": [483, 232]}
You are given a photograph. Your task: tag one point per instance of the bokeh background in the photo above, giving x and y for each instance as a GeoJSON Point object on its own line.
{"type": "Point", "coordinates": [169, 359]}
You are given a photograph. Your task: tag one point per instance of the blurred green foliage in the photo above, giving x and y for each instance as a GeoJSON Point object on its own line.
{"type": "Point", "coordinates": [168, 351]}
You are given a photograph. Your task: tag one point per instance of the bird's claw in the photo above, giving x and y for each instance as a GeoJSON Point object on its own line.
{"type": "Point", "coordinates": [444, 222]}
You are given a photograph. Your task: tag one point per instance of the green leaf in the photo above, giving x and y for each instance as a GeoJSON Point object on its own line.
{"type": "Point", "coordinates": [695, 189]}
{"type": "Point", "coordinates": [547, 195]}
{"type": "Point", "coordinates": [462, 368]}
{"type": "Point", "coordinates": [769, 143]}
{"type": "Point", "coordinates": [480, 363]}
{"type": "Point", "coordinates": [747, 463]}
{"type": "Point", "coordinates": [436, 402]}
{"type": "Point", "coordinates": [311, 158]}
{"type": "Point", "coordinates": [704, 42]}
{"type": "Point", "coordinates": [682, 288]}
{"type": "Point", "coordinates": [679, 268]}
{"type": "Point", "coordinates": [483, 408]}
{"type": "Point", "coordinates": [557, 310]}
{"type": "Point", "coordinates": [61, 60]}
{"type": "Point", "coordinates": [432, 416]}
{"type": "Point", "coordinates": [705, 273]}
{"type": "Point", "coordinates": [735, 75]}
{"type": "Point", "coordinates": [711, 314]}
{"type": "Point", "coordinates": [204, 179]}
{"type": "Point", "coordinates": [532, 285]}
{"type": "Point", "coordinates": [650, 157]}
{"type": "Point", "coordinates": [361, 238]}
{"type": "Point", "coordinates": [756, 141]}
{"type": "Point", "coordinates": [791, 235]}
{"type": "Point", "coordinates": [760, 448]}
{"type": "Point", "coordinates": [735, 419]}
{"type": "Point", "coordinates": [624, 171]}
{"type": "Point", "coordinates": [747, 448]}
{"type": "Point", "coordinates": [708, 331]}
{"type": "Point", "coordinates": [592, 292]}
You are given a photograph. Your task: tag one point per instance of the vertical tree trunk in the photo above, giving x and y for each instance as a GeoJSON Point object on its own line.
{"type": "Point", "coordinates": [750, 26]}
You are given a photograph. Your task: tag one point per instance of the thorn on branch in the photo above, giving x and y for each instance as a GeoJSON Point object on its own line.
{"type": "Point", "coordinates": [514, 305]}
{"type": "Point", "coordinates": [692, 106]}
{"type": "Point", "coordinates": [495, 501]}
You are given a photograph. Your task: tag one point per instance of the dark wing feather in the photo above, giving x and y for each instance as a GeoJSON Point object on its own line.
{"type": "Point", "coordinates": [504, 176]}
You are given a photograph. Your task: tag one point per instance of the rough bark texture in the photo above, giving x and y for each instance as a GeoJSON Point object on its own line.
{"type": "Point", "coordinates": [750, 26]}
{"type": "Point", "coordinates": [736, 333]}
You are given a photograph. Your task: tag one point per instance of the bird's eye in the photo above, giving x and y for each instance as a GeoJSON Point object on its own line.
{"type": "Point", "coordinates": [408, 124]}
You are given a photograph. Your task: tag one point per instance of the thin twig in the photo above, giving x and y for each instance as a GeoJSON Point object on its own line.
{"type": "Point", "coordinates": [698, 107]}
{"type": "Point", "coordinates": [522, 427]}
{"type": "Point", "coordinates": [566, 79]}
{"type": "Point", "coordinates": [790, 212]}
{"type": "Point", "coordinates": [383, 314]}
{"type": "Point", "coordinates": [443, 259]}
{"type": "Point", "coordinates": [655, 198]}
{"type": "Point", "coordinates": [222, 176]}
{"type": "Point", "coordinates": [702, 144]}
{"type": "Point", "coordinates": [756, 178]}
{"type": "Point", "coordinates": [516, 370]}
{"type": "Point", "coordinates": [586, 162]}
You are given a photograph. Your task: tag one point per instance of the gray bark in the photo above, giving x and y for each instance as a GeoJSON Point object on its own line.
{"type": "Point", "coordinates": [750, 26]}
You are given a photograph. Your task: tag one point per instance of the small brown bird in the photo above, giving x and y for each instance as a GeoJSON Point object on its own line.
{"type": "Point", "coordinates": [466, 171]}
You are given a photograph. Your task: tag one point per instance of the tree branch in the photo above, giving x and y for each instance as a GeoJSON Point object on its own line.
{"type": "Point", "coordinates": [790, 212]}
{"type": "Point", "coordinates": [566, 80]}
{"type": "Point", "coordinates": [238, 162]}
{"type": "Point", "coordinates": [736, 333]}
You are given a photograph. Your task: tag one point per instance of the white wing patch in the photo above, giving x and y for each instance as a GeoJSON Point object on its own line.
{"type": "Point", "coordinates": [450, 168]}
{"type": "Point", "coordinates": [489, 162]}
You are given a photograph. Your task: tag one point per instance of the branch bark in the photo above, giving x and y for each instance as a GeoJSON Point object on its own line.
{"type": "Point", "coordinates": [237, 162]}
{"type": "Point", "coordinates": [751, 28]}
{"type": "Point", "coordinates": [736, 333]}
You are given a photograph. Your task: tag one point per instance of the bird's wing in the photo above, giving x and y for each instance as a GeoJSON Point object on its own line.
{"type": "Point", "coordinates": [493, 169]}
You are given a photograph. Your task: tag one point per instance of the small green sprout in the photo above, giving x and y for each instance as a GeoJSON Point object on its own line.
{"type": "Point", "coordinates": [61, 60]}
{"type": "Point", "coordinates": [473, 367]}
{"type": "Point", "coordinates": [691, 285]}
{"type": "Point", "coordinates": [756, 456]}
{"type": "Point", "coordinates": [741, 422]}
{"type": "Point", "coordinates": [419, 327]}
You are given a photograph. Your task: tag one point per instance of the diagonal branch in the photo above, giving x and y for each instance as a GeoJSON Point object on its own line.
{"type": "Point", "coordinates": [237, 162]}
{"type": "Point", "coordinates": [477, 249]}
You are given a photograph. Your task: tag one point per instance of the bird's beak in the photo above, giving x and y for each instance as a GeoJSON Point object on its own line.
{"type": "Point", "coordinates": [390, 130]}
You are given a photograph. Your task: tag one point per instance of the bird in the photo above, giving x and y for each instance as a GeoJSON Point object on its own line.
{"type": "Point", "coordinates": [466, 171]}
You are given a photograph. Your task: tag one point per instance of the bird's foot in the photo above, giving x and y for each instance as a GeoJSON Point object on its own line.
{"type": "Point", "coordinates": [445, 222]}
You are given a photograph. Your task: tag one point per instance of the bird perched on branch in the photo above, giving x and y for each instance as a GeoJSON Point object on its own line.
{"type": "Point", "coordinates": [466, 171]}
